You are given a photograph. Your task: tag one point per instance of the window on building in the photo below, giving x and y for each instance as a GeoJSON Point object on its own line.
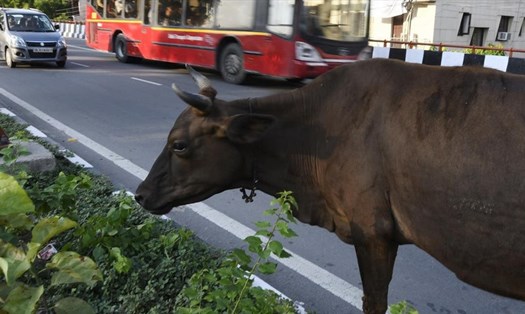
{"type": "Point", "coordinates": [478, 36]}
{"type": "Point", "coordinates": [503, 28]}
{"type": "Point", "coordinates": [504, 23]}
{"type": "Point", "coordinates": [464, 26]}
{"type": "Point", "coordinates": [522, 27]}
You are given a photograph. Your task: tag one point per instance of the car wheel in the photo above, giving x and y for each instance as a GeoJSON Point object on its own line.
{"type": "Point", "coordinates": [61, 64]}
{"type": "Point", "coordinates": [9, 58]}
{"type": "Point", "coordinates": [232, 64]}
{"type": "Point", "coordinates": [121, 49]}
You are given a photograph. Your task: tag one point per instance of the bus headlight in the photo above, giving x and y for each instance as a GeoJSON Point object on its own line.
{"type": "Point", "coordinates": [16, 42]}
{"type": "Point", "coordinates": [306, 52]}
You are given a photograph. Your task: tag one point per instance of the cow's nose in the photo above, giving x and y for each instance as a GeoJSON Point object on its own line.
{"type": "Point", "coordinates": [139, 198]}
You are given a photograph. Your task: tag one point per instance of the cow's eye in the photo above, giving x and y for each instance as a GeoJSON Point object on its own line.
{"type": "Point", "coordinates": [179, 147]}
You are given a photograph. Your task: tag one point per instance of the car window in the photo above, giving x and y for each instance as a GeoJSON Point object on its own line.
{"type": "Point", "coordinates": [29, 23]}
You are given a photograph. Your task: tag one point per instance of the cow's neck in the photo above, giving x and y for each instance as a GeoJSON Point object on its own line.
{"type": "Point", "coordinates": [287, 158]}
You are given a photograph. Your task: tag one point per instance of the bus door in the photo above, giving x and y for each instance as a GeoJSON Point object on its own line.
{"type": "Point", "coordinates": [98, 34]}
{"type": "Point", "coordinates": [95, 11]}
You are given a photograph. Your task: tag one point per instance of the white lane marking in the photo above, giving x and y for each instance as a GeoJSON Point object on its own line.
{"type": "Point", "coordinates": [79, 161]}
{"type": "Point", "coordinates": [79, 64]}
{"type": "Point", "coordinates": [321, 277]}
{"type": "Point", "coordinates": [96, 147]}
{"type": "Point", "coordinates": [90, 49]}
{"type": "Point", "coordinates": [309, 270]}
{"type": "Point", "coordinates": [145, 81]}
{"type": "Point", "coordinates": [36, 132]}
{"type": "Point", "coordinates": [7, 112]}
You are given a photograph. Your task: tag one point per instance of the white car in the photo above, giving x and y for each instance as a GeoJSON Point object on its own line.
{"type": "Point", "coordinates": [28, 36]}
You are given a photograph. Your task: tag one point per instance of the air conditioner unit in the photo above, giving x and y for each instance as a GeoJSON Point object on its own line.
{"type": "Point", "coordinates": [503, 36]}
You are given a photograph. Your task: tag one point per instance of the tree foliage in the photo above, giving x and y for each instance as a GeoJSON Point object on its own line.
{"type": "Point", "coordinates": [49, 7]}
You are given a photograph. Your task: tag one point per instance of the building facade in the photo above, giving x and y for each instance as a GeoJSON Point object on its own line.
{"type": "Point", "coordinates": [463, 22]}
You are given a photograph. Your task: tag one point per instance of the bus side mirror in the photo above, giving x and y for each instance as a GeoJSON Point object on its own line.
{"type": "Point", "coordinates": [57, 27]}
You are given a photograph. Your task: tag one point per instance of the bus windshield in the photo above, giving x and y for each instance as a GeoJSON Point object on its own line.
{"type": "Point", "coordinates": [343, 20]}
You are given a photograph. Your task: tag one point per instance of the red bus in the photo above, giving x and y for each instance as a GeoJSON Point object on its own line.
{"type": "Point", "coordinates": [293, 39]}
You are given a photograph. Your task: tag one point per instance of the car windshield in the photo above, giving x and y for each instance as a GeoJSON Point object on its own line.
{"type": "Point", "coordinates": [21, 22]}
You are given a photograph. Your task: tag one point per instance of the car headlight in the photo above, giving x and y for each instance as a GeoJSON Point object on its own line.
{"type": "Point", "coordinates": [16, 42]}
{"type": "Point", "coordinates": [306, 52]}
{"type": "Point", "coordinates": [61, 43]}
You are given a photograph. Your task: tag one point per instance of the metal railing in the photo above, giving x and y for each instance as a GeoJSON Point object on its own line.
{"type": "Point", "coordinates": [440, 46]}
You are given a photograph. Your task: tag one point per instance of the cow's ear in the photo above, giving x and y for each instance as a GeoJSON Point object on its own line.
{"type": "Point", "coordinates": [248, 128]}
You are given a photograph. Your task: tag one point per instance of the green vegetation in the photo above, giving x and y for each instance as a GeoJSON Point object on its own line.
{"type": "Point", "coordinates": [487, 51]}
{"type": "Point", "coordinates": [49, 7]}
{"type": "Point", "coordinates": [477, 51]}
{"type": "Point", "coordinates": [113, 257]}
{"type": "Point", "coordinates": [402, 307]}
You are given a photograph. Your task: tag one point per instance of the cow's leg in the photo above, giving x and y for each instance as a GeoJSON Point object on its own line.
{"type": "Point", "coordinates": [373, 236]}
{"type": "Point", "coordinates": [376, 262]}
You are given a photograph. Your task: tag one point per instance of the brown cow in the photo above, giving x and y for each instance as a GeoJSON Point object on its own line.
{"type": "Point", "coordinates": [380, 152]}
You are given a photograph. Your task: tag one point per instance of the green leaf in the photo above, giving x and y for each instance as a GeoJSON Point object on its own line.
{"type": "Point", "coordinates": [263, 224]}
{"type": "Point", "coordinates": [13, 268]}
{"type": "Point", "coordinates": [402, 307]}
{"type": "Point", "coordinates": [264, 233]}
{"type": "Point", "coordinates": [241, 257]}
{"type": "Point", "coordinates": [23, 299]}
{"type": "Point", "coordinates": [16, 221]}
{"type": "Point", "coordinates": [32, 250]}
{"type": "Point", "coordinates": [13, 198]}
{"type": "Point", "coordinates": [267, 268]}
{"type": "Point", "coordinates": [270, 212]}
{"type": "Point", "coordinates": [72, 305]}
{"type": "Point", "coordinates": [72, 267]}
{"type": "Point", "coordinates": [49, 227]}
{"type": "Point", "coordinates": [121, 264]}
{"type": "Point", "coordinates": [254, 244]}
{"type": "Point", "coordinates": [13, 261]}
{"type": "Point", "coordinates": [285, 230]}
{"type": "Point", "coordinates": [276, 247]}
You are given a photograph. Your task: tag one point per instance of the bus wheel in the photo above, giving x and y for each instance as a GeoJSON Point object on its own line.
{"type": "Point", "coordinates": [232, 64]}
{"type": "Point", "coordinates": [9, 58]}
{"type": "Point", "coordinates": [121, 49]}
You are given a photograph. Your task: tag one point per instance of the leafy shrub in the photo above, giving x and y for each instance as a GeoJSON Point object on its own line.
{"type": "Point", "coordinates": [491, 52]}
{"type": "Point", "coordinates": [228, 289]}
{"type": "Point", "coordinates": [24, 269]}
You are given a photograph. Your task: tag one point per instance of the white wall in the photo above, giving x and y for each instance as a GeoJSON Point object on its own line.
{"type": "Point", "coordinates": [418, 23]}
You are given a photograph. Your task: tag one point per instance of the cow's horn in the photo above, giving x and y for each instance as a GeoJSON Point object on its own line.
{"type": "Point", "coordinates": [200, 102]}
{"type": "Point", "coordinates": [204, 84]}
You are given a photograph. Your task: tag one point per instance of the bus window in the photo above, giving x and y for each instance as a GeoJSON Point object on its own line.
{"type": "Point", "coordinates": [131, 9]}
{"type": "Point", "coordinates": [199, 13]}
{"type": "Point", "coordinates": [242, 10]}
{"type": "Point", "coordinates": [99, 6]}
{"type": "Point", "coordinates": [336, 19]}
{"type": "Point", "coordinates": [111, 8]}
{"type": "Point", "coordinates": [280, 17]}
{"type": "Point", "coordinates": [147, 12]}
{"type": "Point", "coordinates": [170, 13]}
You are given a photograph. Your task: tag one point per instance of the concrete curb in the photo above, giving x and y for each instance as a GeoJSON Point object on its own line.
{"type": "Point", "coordinates": [449, 58]}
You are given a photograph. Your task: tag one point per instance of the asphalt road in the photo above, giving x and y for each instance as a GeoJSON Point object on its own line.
{"type": "Point", "coordinates": [117, 116]}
